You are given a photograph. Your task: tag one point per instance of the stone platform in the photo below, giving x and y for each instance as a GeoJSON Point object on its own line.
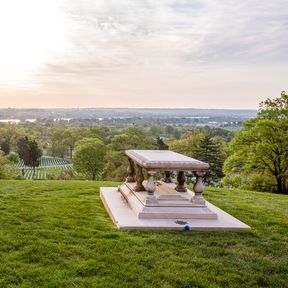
{"type": "Point", "coordinates": [164, 210]}
{"type": "Point", "coordinates": [165, 203]}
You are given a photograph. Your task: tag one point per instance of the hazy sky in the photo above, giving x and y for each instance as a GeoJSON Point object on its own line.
{"type": "Point", "coordinates": [142, 53]}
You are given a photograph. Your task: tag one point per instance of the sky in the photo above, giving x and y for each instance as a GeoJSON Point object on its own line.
{"type": "Point", "coordinates": [142, 53]}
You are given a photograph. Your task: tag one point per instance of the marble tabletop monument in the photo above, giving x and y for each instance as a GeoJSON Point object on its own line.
{"type": "Point", "coordinates": [149, 198]}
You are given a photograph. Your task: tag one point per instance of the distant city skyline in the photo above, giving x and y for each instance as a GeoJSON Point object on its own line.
{"type": "Point", "coordinates": [142, 54]}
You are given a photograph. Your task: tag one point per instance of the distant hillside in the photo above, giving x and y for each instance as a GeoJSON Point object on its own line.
{"type": "Point", "coordinates": [83, 113]}
{"type": "Point", "coordinates": [126, 117]}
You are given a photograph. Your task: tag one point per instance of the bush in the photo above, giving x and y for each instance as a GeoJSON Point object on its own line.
{"type": "Point", "coordinates": [8, 169]}
{"type": "Point", "coordinates": [13, 157]}
{"type": "Point", "coordinates": [64, 175]}
{"type": "Point", "coordinates": [257, 182]}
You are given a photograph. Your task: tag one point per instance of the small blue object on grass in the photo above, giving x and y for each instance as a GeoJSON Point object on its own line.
{"type": "Point", "coordinates": [186, 227]}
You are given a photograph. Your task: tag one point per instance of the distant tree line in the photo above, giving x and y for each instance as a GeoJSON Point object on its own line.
{"type": "Point", "coordinates": [255, 157]}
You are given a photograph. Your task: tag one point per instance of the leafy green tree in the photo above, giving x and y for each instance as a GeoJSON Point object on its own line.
{"type": "Point", "coordinates": [5, 147]}
{"type": "Point", "coordinates": [199, 144]}
{"type": "Point", "coordinates": [212, 132]}
{"type": "Point", "coordinates": [188, 144]}
{"type": "Point", "coordinates": [169, 130]}
{"type": "Point", "coordinates": [33, 154]}
{"type": "Point", "coordinates": [211, 151]}
{"type": "Point", "coordinates": [202, 146]}
{"type": "Point", "coordinates": [59, 147]}
{"type": "Point", "coordinates": [8, 169]}
{"type": "Point", "coordinates": [102, 132]}
{"type": "Point", "coordinates": [115, 166]}
{"type": "Point", "coordinates": [177, 133]}
{"type": "Point", "coordinates": [116, 161]}
{"type": "Point", "coordinates": [70, 136]}
{"type": "Point", "coordinates": [4, 164]}
{"type": "Point", "coordinates": [132, 138]}
{"type": "Point", "coordinates": [13, 157]}
{"type": "Point", "coordinates": [260, 148]}
{"type": "Point", "coordinates": [22, 147]}
{"type": "Point", "coordinates": [89, 157]}
{"type": "Point", "coordinates": [172, 131]}
{"type": "Point", "coordinates": [156, 131]}
{"type": "Point", "coordinates": [10, 134]}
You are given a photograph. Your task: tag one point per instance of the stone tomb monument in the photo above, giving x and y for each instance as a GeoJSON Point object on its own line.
{"type": "Point", "coordinates": [149, 204]}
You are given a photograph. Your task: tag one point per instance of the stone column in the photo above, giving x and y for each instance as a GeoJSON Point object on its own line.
{"type": "Point", "coordinates": [130, 172]}
{"type": "Point", "coordinates": [198, 188]}
{"type": "Point", "coordinates": [181, 182]}
{"type": "Point", "coordinates": [151, 186]}
{"type": "Point", "coordinates": [139, 179]}
{"type": "Point", "coordinates": [167, 178]}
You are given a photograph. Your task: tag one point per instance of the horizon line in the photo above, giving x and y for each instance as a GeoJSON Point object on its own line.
{"type": "Point", "coordinates": [132, 108]}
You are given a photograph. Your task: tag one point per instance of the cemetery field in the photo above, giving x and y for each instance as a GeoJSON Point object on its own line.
{"type": "Point", "coordinates": [48, 166]}
{"type": "Point", "coordinates": [58, 234]}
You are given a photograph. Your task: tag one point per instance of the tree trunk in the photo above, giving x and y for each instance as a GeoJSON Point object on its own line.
{"type": "Point", "coordinates": [93, 177]}
{"type": "Point", "coordinates": [281, 185]}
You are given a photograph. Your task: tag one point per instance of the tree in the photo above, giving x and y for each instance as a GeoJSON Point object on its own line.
{"type": "Point", "coordinates": [156, 131]}
{"type": "Point", "coordinates": [70, 136]}
{"type": "Point", "coordinates": [58, 148]}
{"type": "Point", "coordinates": [22, 147]}
{"type": "Point", "coordinates": [161, 144]}
{"type": "Point", "coordinates": [115, 168]}
{"type": "Point", "coordinates": [89, 157]}
{"type": "Point", "coordinates": [169, 130]}
{"type": "Point", "coordinates": [8, 169]}
{"type": "Point", "coordinates": [13, 157]}
{"type": "Point", "coordinates": [103, 133]}
{"type": "Point", "coordinates": [260, 148]}
{"type": "Point", "coordinates": [32, 156]}
{"type": "Point", "coordinates": [188, 144]}
{"type": "Point", "coordinates": [10, 133]}
{"type": "Point", "coordinates": [199, 145]}
{"type": "Point", "coordinates": [116, 162]}
{"type": "Point", "coordinates": [5, 147]}
{"type": "Point", "coordinates": [177, 133]}
{"type": "Point", "coordinates": [210, 150]}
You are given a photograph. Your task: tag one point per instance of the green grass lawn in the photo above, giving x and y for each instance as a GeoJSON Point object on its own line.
{"type": "Point", "coordinates": [58, 234]}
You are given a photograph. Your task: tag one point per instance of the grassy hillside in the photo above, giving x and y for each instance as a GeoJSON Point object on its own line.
{"type": "Point", "coordinates": [57, 234]}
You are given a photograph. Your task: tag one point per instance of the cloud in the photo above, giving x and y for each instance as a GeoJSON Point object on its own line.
{"type": "Point", "coordinates": [179, 50]}
{"type": "Point", "coordinates": [123, 33]}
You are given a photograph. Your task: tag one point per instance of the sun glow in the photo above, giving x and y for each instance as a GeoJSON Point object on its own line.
{"type": "Point", "coordinates": [31, 32]}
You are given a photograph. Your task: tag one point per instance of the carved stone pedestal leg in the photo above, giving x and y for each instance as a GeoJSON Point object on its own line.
{"type": "Point", "coordinates": [198, 188]}
{"type": "Point", "coordinates": [130, 172]}
{"type": "Point", "coordinates": [181, 182]}
{"type": "Point", "coordinates": [167, 178]}
{"type": "Point", "coordinates": [139, 179]}
{"type": "Point", "coordinates": [151, 186]}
